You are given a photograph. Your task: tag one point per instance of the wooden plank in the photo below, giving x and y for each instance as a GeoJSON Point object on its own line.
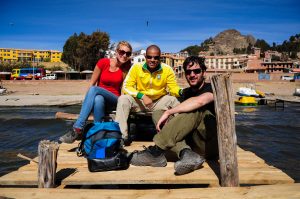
{"type": "Point", "coordinates": [143, 175]}
{"type": "Point", "coordinates": [20, 178]}
{"type": "Point", "coordinates": [253, 170]}
{"type": "Point", "coordinates": [70, 116]}
{"type": "Point", "coordinates": [290, 191]}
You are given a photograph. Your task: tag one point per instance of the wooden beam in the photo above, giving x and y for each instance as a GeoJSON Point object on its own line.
{"type": "Point", "coordinates": [281, 191]}
{"type": "Point", "coordinates": [224, 107]}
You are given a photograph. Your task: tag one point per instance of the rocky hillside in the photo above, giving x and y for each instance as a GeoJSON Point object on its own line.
{"type": "Point", "coordinates": [227, 40]}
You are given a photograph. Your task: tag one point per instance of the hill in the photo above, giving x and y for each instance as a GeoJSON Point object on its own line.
{"type": "Point", "coordinates": [225, 42]}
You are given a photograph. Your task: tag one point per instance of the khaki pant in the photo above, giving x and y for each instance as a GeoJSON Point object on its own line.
{"type": "Point", "coordinates": [127, 104]}
{"type": "Point", "coordinates": [196, 130]}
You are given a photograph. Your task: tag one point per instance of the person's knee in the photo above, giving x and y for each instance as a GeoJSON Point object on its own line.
{"type": "Point", "coordinates": [124, 100]}
{"type": "Point", "coordinates": [156, 115]}
{"type": "Point", "coordinates": [93, 89]}
{"type": "Point", "coordinates": [99, 100]}
{"type": "Point", "coordinates": [173, 101]}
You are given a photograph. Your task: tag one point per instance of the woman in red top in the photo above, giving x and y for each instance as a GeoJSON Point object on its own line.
{"type": "Point", "coordinates": [105, 88]}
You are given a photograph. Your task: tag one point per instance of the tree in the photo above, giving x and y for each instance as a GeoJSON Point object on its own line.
{"type": "Point", "coordinates": [263, 45]}
{"type": "Point", "coordinates": [275, 58]}
{"type": "Point", "coordinates": [249, 49]}
{"type": "Point", "coordinates": [47, 59]}
{"type": "Point", "coordinates": [192, 50]}
{"type": "Point", "coordinates": [293, 55]}
{"type": "Point", "coordinates": [69, 54]}
{"type": "Point", "coordinates": [83, 51]}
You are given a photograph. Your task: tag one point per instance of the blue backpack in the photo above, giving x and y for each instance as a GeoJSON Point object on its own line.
{"type": "Point", "coordinates": [101, 145]}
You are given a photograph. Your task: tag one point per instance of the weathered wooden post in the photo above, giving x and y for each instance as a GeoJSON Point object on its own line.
{"type": "Point", "coordinates": [224, 107]}
{"type": "Point", "coordinates": [47, 152]}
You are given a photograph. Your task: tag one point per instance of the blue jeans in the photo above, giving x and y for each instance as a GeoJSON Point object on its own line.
{"type": "Point", "coordinates": [95, 100]}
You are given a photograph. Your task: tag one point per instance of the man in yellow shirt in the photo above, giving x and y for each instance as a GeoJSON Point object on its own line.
{"type": "Point", "coordinates": [146, 88]}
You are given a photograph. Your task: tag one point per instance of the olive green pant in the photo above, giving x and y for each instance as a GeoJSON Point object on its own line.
{"type": "Point", "coordinates": [195, 130]}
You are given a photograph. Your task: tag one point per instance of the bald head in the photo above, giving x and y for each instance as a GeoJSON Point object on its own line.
{"type": "Point", "coordinates": [153, 57]}
{"type": "Point", "coordinates": [153, 48]}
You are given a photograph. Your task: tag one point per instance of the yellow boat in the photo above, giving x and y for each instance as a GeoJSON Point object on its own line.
{"type": "Point", "coordinates": [260, 93]}
{"type": "Point", "coordinates": [246, 101]}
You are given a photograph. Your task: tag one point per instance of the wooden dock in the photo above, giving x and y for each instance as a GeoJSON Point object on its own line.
{"type": "Point", "coordinates": [284, 191]}
{"type": "Point", "coordinates": [72, 170]}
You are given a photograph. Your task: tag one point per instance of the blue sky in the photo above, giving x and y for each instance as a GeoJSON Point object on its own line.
{"type": "Point", "coordinates": [173, 24]}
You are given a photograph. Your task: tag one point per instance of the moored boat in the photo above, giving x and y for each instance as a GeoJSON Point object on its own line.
{"type": "Point", "coordinates": [243, 91]}
{"type": "Point", "coordinates": [246, 101]}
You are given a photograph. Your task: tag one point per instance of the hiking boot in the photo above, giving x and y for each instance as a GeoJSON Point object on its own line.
{"type": "Point", "coordinates": [71, 135]}
{"type": "Point", "coordinates": [189, 161]}
{"type": "Point", "coordinates": [151, 156]}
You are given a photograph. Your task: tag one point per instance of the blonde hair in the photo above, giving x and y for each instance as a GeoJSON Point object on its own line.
{"type": "Point", "coordinates": [124, 43]}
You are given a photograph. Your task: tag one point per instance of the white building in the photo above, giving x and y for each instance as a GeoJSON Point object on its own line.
{"type": "Point", "coordinates": [110, 54]}
{"type": "Point", "coordinates": [138, 56]}
{"type": "Point", "coordinates": [225, 62]}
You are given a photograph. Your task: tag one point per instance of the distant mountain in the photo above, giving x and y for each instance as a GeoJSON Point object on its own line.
{"type": "Point", "coordinates": [233, 42]}
{"type": "Point", "coordinates": [226, 41]}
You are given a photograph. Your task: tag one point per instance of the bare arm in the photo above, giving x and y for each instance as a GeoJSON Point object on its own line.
{"type": "Point", "coordinates": [188, 105]}
{"type": "Point", "coordinates": [95, 76]}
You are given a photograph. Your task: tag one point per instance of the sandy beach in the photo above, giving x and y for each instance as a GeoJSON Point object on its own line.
{"type": "Point", "coordinates": [69, 92]}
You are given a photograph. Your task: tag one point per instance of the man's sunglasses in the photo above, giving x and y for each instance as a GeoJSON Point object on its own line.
{"type": "Point", "coordinates": [196, 71]}
{"type": "Point", "coordinates": [122, 52]}
{"type": "Point", "coordinates": [154, 57]}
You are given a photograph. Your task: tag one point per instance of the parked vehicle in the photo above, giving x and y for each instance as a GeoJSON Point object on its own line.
{"type": "Point", "coordinates": [49, 77]}
{"type": "Point", "coordinates": [286, 77]}
{"type": "Point", "coordinates": [27, 73]}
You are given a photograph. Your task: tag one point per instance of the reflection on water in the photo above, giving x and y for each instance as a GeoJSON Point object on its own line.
{"type": "Point", "coordinates": [274, 135]}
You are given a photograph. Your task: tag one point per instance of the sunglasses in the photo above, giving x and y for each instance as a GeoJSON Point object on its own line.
{"type": "Point", "coordinates": [123, 52]}
{"type": "Point", "coordinates": [196, 71]}
{"type": "Point", "coordinates": [153, 57]}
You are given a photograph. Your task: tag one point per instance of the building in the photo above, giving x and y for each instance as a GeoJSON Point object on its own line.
{"type": "Point", "coordinates": [21, 55]}
{"type": "Point", "coordinates": [225, 62]}
{"type": "Point", "coordinates": [269, 54]}
{"type": "Point", "coordinates": [110, 54]}
{"type": "Point", "coordinates": [138, 56]}
{"type": "Point", "coordinates": [175, 60]}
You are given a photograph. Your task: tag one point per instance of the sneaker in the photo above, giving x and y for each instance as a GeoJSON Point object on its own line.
{"type": "Point", "coordinates": [126, 142]}
{"type": "Point", "coordinates": [146, 158]}
{"type": "Point", "coordinates": [71, 135]}
{"type": "Point", "coordinates": [189, 161]}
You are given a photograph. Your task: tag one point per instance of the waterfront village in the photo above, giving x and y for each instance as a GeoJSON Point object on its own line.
{"type": "Point", "coordinates": [256, 177]}
{"type": "Point", "coordinates": [256, 62]}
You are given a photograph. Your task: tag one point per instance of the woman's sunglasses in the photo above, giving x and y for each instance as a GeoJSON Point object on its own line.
{"type": "Point", "coordinates": [154, 57]}
{"type": "Point", "coordinates": [122, 52]}
{"type": "Point", "coordinates": [196, 71]}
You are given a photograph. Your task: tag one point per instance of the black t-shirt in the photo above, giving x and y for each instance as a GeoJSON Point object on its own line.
{"type": "Point", "coordinates": [189, 92]}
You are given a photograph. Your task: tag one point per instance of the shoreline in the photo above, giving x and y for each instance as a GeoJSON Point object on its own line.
{"type": "Point", "coordinates": [72, 92]}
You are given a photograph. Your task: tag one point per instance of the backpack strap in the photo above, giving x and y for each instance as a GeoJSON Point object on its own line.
{"type": "Point", "coordinates": [80, 149]}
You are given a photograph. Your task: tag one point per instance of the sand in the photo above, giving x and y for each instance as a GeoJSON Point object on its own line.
{"type": "Point", "coordinates": [68, 92]}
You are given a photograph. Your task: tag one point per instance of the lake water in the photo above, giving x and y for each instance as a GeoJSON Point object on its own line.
{"type": "Point", "coordinates": [273, 134]}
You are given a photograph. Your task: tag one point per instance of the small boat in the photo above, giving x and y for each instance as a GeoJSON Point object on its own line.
{"type": "Point", "coordinates": [247, 92]}
{"type": "Point", "coordinates": [246, 101]}
{"type": "Point", "coordinates": [260, 93]}
{"type": "Point", "coordinates": [2, 91]}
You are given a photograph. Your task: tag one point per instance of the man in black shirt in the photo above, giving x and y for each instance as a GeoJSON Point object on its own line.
{"type": "Point", "coordinates": [189, 129]}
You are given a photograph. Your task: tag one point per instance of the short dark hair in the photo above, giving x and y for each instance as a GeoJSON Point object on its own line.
{"type": "Point", "coordinates": [153, 47]}
{"type": "Point", "coordinates": [193, 60]}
